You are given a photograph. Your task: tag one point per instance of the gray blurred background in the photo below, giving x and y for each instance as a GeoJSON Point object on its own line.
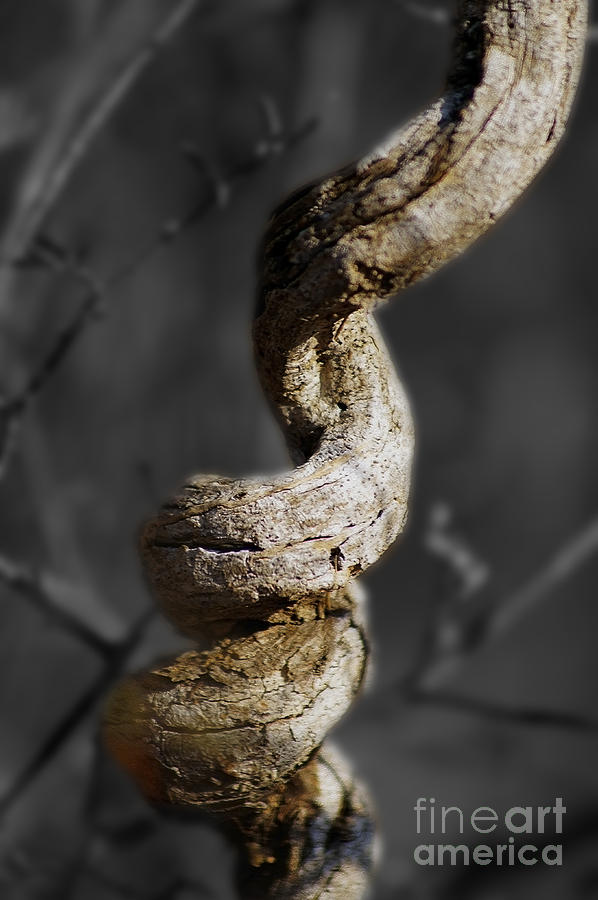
{"type": "Point", "coordinates": [245, 101]}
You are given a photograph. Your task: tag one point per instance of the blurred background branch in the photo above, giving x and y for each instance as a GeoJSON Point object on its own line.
{"type": "Point", "coordinates": [468, 620]}
{"type": "Point", "coordinates": [100, 76]}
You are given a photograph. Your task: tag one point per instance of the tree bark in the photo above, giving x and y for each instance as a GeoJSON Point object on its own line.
{"type": "Point", "coordinates": [264, 566]}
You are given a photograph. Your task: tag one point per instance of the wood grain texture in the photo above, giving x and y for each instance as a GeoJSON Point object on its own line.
{"type": "Point", "coordinates": [218, 728]}
{"type": "Point", "coordinates": [264, 566]}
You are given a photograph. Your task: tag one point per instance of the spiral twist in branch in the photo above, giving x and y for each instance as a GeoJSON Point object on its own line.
{"type": "Point", "coordinates": [265, 566]}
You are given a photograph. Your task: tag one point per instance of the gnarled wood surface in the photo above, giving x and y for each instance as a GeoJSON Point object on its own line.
{"type": "Point", "coordinates": [264, 565]}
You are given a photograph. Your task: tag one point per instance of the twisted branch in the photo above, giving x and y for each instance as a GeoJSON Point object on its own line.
{"type": "Point", "coordinates": [264, 566]}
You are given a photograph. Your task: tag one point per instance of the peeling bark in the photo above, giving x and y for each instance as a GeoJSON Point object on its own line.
{"type": "Point", "coordinates": [220, 727]}
{"type": "Point", "coordinates": [264, 566]}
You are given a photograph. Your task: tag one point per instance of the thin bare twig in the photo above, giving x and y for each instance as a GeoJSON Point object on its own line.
{"type": "Point", "coordinates": [74, 717]}
{"type": "Point", "coordinates": [42, 591]}
{"type": "Point", "coordinates": [96, 293]}
{"type": "Point", "coordinates": [12, 411]}
{"type": "Point", "coordinates": [221, 187]}
{"type": "Point", "coordinates": [568, 559]}
{"type": "Point", "coordinates": [31, 219]}
{"type": "Point", "coordinates": [438, 662]}
{"type": "Point", "coordinates": [501, 617]}
{"type": "Point", "coordinates": [442, 540]}
{"type": "Point", "coordinates": [454, 623]}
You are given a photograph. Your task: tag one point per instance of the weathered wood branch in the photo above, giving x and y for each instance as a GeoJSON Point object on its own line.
{"type": "Point", "coordinates": [264, 566]}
